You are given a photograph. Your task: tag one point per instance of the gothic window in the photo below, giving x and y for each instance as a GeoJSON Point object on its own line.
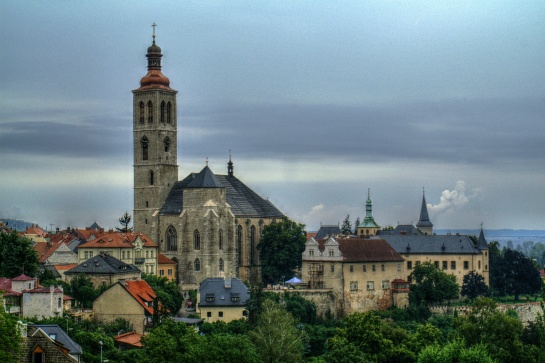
{"type": "Point", "coordinates": [144, 142]}
{"type": "Point", "coordinates": [221, 265]}
{"type": "Point", "coordinates": [172, 239]}
{"type": "Point", "coordinates": [151, 178]}
{"type": "Point", "coordinates": [197, 265]}
{"type": "Point", "coordinates": [150, 112]}
{"type": "Point", "coordinates": [169, 112]}
{"type": "Point", "coordinates": [252, 245]}
{"type": "Point", "coordinates": [220, 236]}
{"type": "Point", "coordinates": [196, 240]}
{"type": "Point", "coordinates": [166, 142]}
{"type": "Point", "coordinates": [141, 112]}
{"type": "Point", "coordinates": [163, 111]}
{"type": "Point", "coordinates": [239, 244]}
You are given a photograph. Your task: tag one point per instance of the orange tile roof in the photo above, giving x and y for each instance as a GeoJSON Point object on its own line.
{"type": "Point", "coordinates": [164, 260]}
{"type": "Point", "coordinates": [85, 234]}
{"type": "Point", "coordinates": [35, 230]}
{"type": "Point", "coordinates": [65, 267]}
{"type": "Point", "coordinates": [117, 240]}
{"type": "Point", "coordinates": [142, 292]}
{"type": "Point", "coordinates": [130, 338]}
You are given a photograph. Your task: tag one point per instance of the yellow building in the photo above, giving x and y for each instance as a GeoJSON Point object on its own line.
{"type": "Point", "coordinates": [222, 299]}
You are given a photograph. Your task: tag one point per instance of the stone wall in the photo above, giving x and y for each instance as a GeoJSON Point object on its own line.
{"type": "Point", "coordinates": [526, 312]}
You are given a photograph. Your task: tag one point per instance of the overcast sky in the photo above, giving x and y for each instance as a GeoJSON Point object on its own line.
{"type": "Point", "coordinates": [317, 100]}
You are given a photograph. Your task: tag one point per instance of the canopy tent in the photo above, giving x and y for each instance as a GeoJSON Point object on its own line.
{"type": "Point", "coordinates": [294, 281]}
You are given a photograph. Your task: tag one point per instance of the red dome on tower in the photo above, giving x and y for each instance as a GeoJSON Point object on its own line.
{"type": "Point", "coordinates": [154, 79]}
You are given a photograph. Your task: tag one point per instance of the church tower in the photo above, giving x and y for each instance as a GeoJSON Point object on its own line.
{"type": "Point", "coordinates": [424, 224]}
{"type": "Point", "coordinates": [368, 227]}
{"type": "Point", "coordinates": [154, 144]}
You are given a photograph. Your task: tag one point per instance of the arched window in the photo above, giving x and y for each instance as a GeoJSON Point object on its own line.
{"type": "Point", "coordinates": [144, 142]}
{"type": "Point", "coordinates": [220, 237]}
{"type": "Point", "coordinates": [166, 143]}
{"type": "Point", "coordinates": [150, 112]}
{"type": "Point", "coordinates": [196, 240]}
{"type": "Point", "coordinates": [239, 244]}
{"type": "Point", "coordinates": [197, 265]}
{"type": "Point", "coordinates": [172, 239]}
{"type": "Point", "coordinates": [221, 265]}
{"type": "Point", "coordinates": [163, 111]}
{"type": "Point", "coordinates": [169, 113]}
{"type": "Point", "coordinates": [141, 112]}
{"type": "Point", "coordinates": [151, 178]}
{"type": "Point", "coordinates": [252, 245]}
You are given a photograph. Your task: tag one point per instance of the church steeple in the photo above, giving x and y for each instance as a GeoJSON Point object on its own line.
{"type": "Point", "coordinates": [368, 227]}
{"type": "Point", "coordinates": [481, 244]}
{"type": "Point", "coordinates": [230, 165]}
{"type": "Point", "coordinates": [154, 78]}
{"type": "Point", "coordinates": [424, 224]}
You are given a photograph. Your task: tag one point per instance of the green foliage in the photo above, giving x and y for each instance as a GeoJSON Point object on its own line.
{"type": "Point", "coordinates": [235, 327]}
{"type": "Point", "coordinates": [512, 273]}
{"type": "Point", "coordinates": [47, 278]}
{"type": "Point", "coordinates": [301, 309]}
{"type": "Point", "coordinates": [167, 292]}
{"type": "Point", "coordinates": [356, 224]}
{"type": "Point", "coordinates": [124, 221]}
{"type": "Point", "coordinates": [280, 249]}
{"type": "Point", "coordinates": [432, 285]}
{"type": "Point", "coordinates": [11, 341]}
{"type": "Point", "coordinates": [223, 348]}
{"type": "Point", "coordinates": [253, 305]}
{"type": "Point", "coordinates": [346, 228]}
{"type": "Point", "coordinates": [316, 338]}
{"type": "Point", "coordinates": [454, 352]}
{"type": "Point", "coordinates": [426, 335]}
{"type": "Point", "coordinates": [275, 336]}
{"type": "Point", "coordinates": [16, 254]}
{"type": "Point", "coordinates": [83, 291]}
{"type": "Point", "coordinates": [167, 343]}
{"type": "Point", "coordinates": [474, 285]}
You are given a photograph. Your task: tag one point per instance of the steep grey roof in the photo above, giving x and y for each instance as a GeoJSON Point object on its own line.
{"type": "Point", "coordinates": [424, 216]}
{"type": "Point", "coordinates": [434, 244]}
{"type": "Point", "coordinates": [205, 179]}
{"type": "Point", "coordinates": [405, 229]}
{"type": "Point", "coordinates": [482, 245]}
{"type": "Point", "coordinates": [56, 333]}
{"type": "Point", "coordinates": [216, 292]}
{"type": "Point", "coordinates": [103, 264]}
{"type": "Point", "coordinates": [325, 231]}
{"type": "Point", "coordinates": [244, 201]}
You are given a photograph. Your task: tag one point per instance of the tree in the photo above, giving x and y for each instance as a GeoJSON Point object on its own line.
{"type": "Point", "coordinates": [281, 248]}
{"type": "Point", "coordinates": [512, 273]}
{"type": "Point", "coordinates": [275, 336]}
{"type": "Point", "coordinates": [346, 228]}
{"type": "Point", "coordinates": [454, 352]}
{"type": "Point", "coordinates": [124, 220]}
{"type": "Point", "coordinates": [83, 291]}
{"type": "Point", "coordinates": [11, 341]}
{"type": "Point", "coordinates": [17, 256]}
{"type": "Point", "coordinates": [356, 224]}
{"type": "Point", "coordinates": [432, 285]}
{"type": "Point", "coordinates": [474, 285]}
{"type": "Point", "coordinates": [167, 292]}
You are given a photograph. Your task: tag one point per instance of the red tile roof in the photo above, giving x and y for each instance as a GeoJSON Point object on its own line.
{"type": "Point", "coordinates": [130, 338]}
{"type": "Point", "coordinates": [35, 230]}
{"type": "Point", "coordinates": [65, 267]}
{"type": "Point", "coordinates": [164, 260]}
{"type": "Point", "coordinates": [117, 240]}
{"type": "Point", "coordinates": [23, 277]}
{"type": "Point", "coordinates": [142, 292]}
{"type": "Point", "coordinates": [365, 250]}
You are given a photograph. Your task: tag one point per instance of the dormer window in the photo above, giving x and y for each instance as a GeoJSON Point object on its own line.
{"type": "Point", "coordinates": [210, 297]}
{"type": "Point", "coordinates": [235, 297]}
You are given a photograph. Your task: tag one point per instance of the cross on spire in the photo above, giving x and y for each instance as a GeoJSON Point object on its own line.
{"type": "Point", "coordinates": [153, 26]}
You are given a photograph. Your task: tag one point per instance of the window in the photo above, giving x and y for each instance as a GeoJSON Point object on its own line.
{"type": "Point", "coordinates": [252, 245]}
{"type": "Point", "coordinates": [197, 265]}
{"type": "Point", "coordinates": [385, 284]}
{"type": "Point", "coordinates": [90, 254]}
{"type": "Point", "coordinates": [221, 265]}
{"type": "Point", "coordinates": [353, 286]}
{"type": "Point", "coordinates": [332, 268]}
{"type": "Point", "coordinates": [220, 314]}
{"type": "Point", "coordinates": [208, 314]}
{"type": "Point", "coordinates": [151, 254]}
{"type": "Point", "coordinates": [331, 253]}
{"type": "Point", "coordinates": [417, 263]}
{"type": "Point", "coordinates": [235, 298]}
{"type": "Point", "coordinates": [166, 143]}
{"type": "Point", "coordinates": [168, 112]}
{"type": "Point", "coordinates": [370, 285]}
{"type": "Point", "coordinates": [151, 178]}
{"type": "Point", "coordinates": [311, 252]}
{"type": "Point", "coordinates": [163, 111]}
{"type": "Point", "coordinates": [409, 265]}
{"type": "Point", "coordinates": [86, 255]}
{"type": "Point", "coordinates": [374, 268]}
{"type": "Point", "coordinates": [398, 267]}
{"type": "Point", "coordinates": [364, 268]}
{"type": "Point", "coordinates": [123, 254]}
{"type": "Point", "coordinates": [479, 264]}
{"type": "Point", "coordinates": [466, 265]}
{"type": "Point", "coordinates": [196, 240]}
{"type": "Point", "coordinates": [351, 268]}
{"type": "Point", "coordinates": [382, 267]}
{"type": "Point", "coordinates": [220, 237]}
{"type": "Point", "coordinates": [239, 244]}
{"type": "Point", "coordinates": [59, 302]}
{"type": "Point", "coordinates": [128, 254]}
{"type": "Point", "coordinates": [445, 265]}
{"type": "Point", "coordinates": [147, 204]}
{"type": "Point", "coordinates": [161, 272]}
{"type": "Point", "coordinates": [141, 112]}
{"type": "Point", "coordinates": [144, 143]}
{"type": "Point", "coordinates": [147, 254]}
{"type": "Point", "coordinates": [453, 265]}
{"type": "Point", "coordinates": [172, 239]}
{"type": "Point", "coordinates": [436, 263]}
{"type": "Point", "coordinates": [169, 272]}
{"type": "Point", "coordinates": [150, 112]}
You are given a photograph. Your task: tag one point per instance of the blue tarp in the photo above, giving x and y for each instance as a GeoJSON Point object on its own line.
{"type": "Point", "coordinates": [294, 280]}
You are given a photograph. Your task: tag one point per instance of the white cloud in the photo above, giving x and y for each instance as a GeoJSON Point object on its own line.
{"type": "Point", "coordinates": [454, 199]}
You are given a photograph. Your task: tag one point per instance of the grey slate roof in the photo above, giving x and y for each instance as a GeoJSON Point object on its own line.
{"type": "Point", "coordinates": [424, 216]}
{"type": "Point", "coordinates": [102, 264]}
{"type": "Point", "coordinates": [406, 229]}
{"type": "Point", "coordinates": [326, 231]}
{"type": "Point", "coordinates": [482, 245]}
{"type": "Point", "coordinates": [244, 201]}
{"type": "Point", "coordinates": [61, 337]}
{"type": "Point", "coordinates": [434, 244]}
{"type": "Point", "coordinates": [215, 292]}
{"type": "Point", "coordinates": [205, 179]}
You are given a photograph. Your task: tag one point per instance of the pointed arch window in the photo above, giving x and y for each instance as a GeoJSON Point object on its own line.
{"type": "Point", "coordinates": [144, 143]}
{"type": "Point", "coordinates": [141, 112]}
{"type": "Point", "coordinates": [166, 143]}
{"type": "Point", "coordinates": [197, 265]}
{"type": "Point", "coordinates": [196, 240]}
{"type": "Point", "coordinates": [169, 113]}
{"type": "Point", "coordinates": [163, 111]}
{"type": "Point", "coordinates": [151, 178]}
{"type": "Point", "coordinates": [172, 239]}
{"type": "Point", "coordinates": [220, 237]}
{"type": "Point", "coordinates": [150, 112]}
{"type": "Point", "coordinates": [221, 265]}
{"type": "Point", "coordinates": [252, 245]}
{"type": "Point", "coordinates": [239, 244]}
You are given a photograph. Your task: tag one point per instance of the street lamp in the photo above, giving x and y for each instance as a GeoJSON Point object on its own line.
{"type": "Point", "coordinates": [101, 344]}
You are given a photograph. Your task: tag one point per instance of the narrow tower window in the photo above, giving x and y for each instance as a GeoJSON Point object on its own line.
{"type": "Point", "coordinates": [162, 111]}
{"type": "Point", "coordinates": [252, 245]}
{"type": "Point", "coordinates": [166, 142]}
{"type": "Point", "coordinates": [220, 235]}
{"type": "Point", "coordinates": [169, 117]}
{"type": "Point", "coordinates": [144, 142]}
{"type": "Point", "coordinates": [141, 112]}
{"type": "Point", "coordinates": [150, 112]}
{"type": "Point", "coordinates": [172, 239]}
{"type": "Point", "coordinates": [239, 244]}
{"type": "Point", "coordinates": [151, 178]}
{"type": "Point", "coordinates": [221, 265]}
{"type": "Point", "coordinates": [197, 265]}
{"type": "Point", "coordinates": [196, 240]}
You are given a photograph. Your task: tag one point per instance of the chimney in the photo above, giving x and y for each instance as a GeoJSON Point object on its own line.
{"type": "Point", "coordinates": [227, 283]}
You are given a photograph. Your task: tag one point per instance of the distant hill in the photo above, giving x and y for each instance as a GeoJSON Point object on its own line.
{"type": "Point", "coordinates": [490, 233]}
{"type": "Point", "coordinates": [16, 224]}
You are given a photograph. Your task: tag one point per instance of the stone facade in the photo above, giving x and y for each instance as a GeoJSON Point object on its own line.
{"type": "Point", "coordinates": [39, 347]}
{"type": "Point", "coordinates": [43, 303]}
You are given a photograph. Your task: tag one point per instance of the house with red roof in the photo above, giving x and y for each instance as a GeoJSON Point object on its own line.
{"type": "Point", "coordinates": [130, 300]}
{"type": "Point", "coordinates": [166, 267]}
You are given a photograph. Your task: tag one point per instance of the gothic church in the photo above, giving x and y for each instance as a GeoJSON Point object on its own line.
{"type": "Point", "coordinates": [209, 224]}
